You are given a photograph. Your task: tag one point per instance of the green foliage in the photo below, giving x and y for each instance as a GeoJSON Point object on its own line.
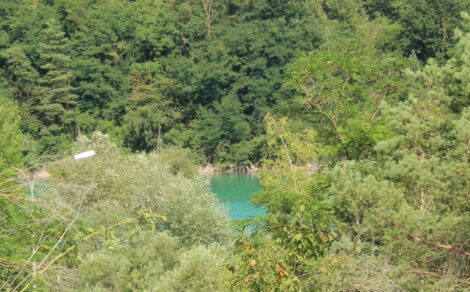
{"type": "Point", "coordinates": [139, 183]}
{"type": "Point", "coordinates": [21, 74]}
{"type": "Point", "coordinates": [398, 211]}
{"type": "Point", "coordinates": [151, 73]}
{"type": "Point", "coordinates": [290, 141]}
{"type": "Point", "coordinates": [56, 101]}
{"type": "Point", "coordinates": [117, 222]}
{"type": "Point", "coordinates": [364, 154]}
{"type": "Point", "coordinates": [402, 209]}
{"type": "Point", "coordinates": [188, 275]}
{"type": "Point", "coordinates": [360, 137]}
{"type": "Point", "coordinates": [341, 87]}
{"type": "Point", "coordinates": [297, 227]}
{"type": "Point", "coordinates": [178, 160]}
{"type": "Point", "coordinates": [427, 26]}
{"type": "Point", "coordinates": [145, 260]}
{"type": "Point", "coordinates": [452, 78]}
{"type": "Point", "coordinates": [150, 113]}
{"type": "Point", "coordinates": [219, 129]}
{"type": "Point", "coordinates": [403, 216]}
{"type": "Point", "coordinates": [29, 241]}
{"type": "Point", "coordinates": [260, 266]}
{"type": "Point", "coordinates": [11, 139]}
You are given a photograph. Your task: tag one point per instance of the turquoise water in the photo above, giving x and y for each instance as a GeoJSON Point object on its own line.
{"type": "Point", "coordinates": [235, 191]}
{"type": "Point", "coordinates": [40, 186]}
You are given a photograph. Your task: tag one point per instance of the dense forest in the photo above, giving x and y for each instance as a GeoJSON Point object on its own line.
{"type": "Point", "coordinates": [375, 94]}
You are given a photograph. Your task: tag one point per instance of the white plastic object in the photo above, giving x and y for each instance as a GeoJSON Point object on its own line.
{"type": "Point", "coordinates": [84, 155]}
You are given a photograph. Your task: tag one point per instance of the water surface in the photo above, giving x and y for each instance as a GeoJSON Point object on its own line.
{"type": "Point", "coordinates": [235, 190]}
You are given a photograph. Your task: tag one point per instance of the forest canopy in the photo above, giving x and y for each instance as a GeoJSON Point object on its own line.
{"type": "Point", "coordinates": [355, 112]}
{"type": "Point", "coordinates": [202, 74]}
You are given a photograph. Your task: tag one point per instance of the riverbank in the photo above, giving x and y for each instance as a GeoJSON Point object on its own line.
{"type": "Point", "coordinates": [211, 169]}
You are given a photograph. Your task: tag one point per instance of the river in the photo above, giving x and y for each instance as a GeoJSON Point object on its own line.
{"type": "Point", "coordinates": [235, 190]}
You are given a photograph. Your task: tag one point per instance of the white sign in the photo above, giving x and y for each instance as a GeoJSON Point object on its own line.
{"type": "Point", "coordinates": [85, 154]}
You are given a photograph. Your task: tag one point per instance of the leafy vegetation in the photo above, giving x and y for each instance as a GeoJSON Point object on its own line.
{"type": "Point", "coordinates": [356, 112]}
{"type": "Point", "coordinates": [400, 213]}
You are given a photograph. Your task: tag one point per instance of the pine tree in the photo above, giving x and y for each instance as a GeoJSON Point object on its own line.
{"type": "Point", "coordinates": [20, 73]}
{"type": "Point", "coordinates": [56, 99]}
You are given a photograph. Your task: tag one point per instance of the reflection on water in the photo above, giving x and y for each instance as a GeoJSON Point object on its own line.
{"type": "Point", "coordinates": [235, 191]}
